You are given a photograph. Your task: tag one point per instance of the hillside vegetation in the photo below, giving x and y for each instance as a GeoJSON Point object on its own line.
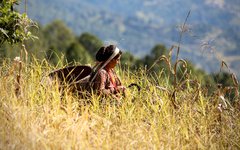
{"type": "Point", "coordinates": [139, 25]}
{"type": "Point", "coordinates": [60, 47]}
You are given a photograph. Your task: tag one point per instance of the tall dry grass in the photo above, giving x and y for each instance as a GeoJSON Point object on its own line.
{"type": "Point", "coordinates": [39, 117]}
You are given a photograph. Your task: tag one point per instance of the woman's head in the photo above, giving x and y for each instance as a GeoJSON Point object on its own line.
{"type": "Point", "coordinates": [105, 52]}
{"type": "Point", "coordinates": [108, 52]}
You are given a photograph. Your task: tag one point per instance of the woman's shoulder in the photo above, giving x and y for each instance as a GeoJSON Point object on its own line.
{"type": "Point", "coordinates": [102, 71]}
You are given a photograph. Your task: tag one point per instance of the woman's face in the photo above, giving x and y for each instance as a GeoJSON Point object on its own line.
{"type": "Point", "coordinates": [114, 62]}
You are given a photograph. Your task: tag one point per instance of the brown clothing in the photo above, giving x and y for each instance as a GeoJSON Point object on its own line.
{"type": "Point", "coordinates": [104, 80]}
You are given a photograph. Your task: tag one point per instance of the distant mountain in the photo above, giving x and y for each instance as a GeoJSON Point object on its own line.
{"type": "Point", "coordinates": [212, 33]}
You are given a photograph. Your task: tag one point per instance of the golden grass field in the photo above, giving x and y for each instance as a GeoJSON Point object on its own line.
{"type": "Point", "coordinates": [35, 116]}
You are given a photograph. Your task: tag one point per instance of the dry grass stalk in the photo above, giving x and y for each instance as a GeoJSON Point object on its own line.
{"type": "Point", "coordinates": [223, 63]}
{"type": "Point", "coordinates": [182, 30]}
{"type": "Point", "coordinates": [173, 72]}
{"type": "Point", "coordinates": [235, 86]}
{"type": "Point", "coordinates": [184, 64]}
{"type": "Point", "coordinates": [18, 67]}
{"type": "Point", "coordinates": [161, 58]}
{"type": "Point", "coordinates": [25, 53]}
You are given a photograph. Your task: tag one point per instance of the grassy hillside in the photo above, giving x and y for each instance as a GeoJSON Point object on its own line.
{"type": "Point", "coordinates": [33, 114]}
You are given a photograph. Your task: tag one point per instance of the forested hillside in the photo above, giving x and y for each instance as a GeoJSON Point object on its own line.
{"type": "Point", "coordinates": [212, 31]}
{"type": "Point", "coordinates": [60, 46]}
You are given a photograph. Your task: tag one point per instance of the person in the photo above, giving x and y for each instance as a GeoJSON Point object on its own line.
{"type": "Point", "coordinates": [105, 81]}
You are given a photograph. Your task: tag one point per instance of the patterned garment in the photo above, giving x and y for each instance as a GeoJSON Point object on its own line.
{"type": "Point", "coordinates": [106, 80]}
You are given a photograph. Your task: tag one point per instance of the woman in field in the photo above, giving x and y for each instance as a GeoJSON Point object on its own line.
{"type": "Point", "coordinates": [106, 81]}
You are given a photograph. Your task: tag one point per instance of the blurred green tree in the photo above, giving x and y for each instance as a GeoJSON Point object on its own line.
{"type": "Point", "coordinates": [156, 52]}
{"type": "Point", "coordinates": [53, 55]}
{"type": "Point", "coordinates": [77, 53]}
{"type": "Point", "coordinates": [90, 42]}
{"type": "Point", "coordinates": [58, 35]}
{"type": "Point", "coordinates": [224, 80]}
{"type": "Point", "coordinates": [128, 61]}
{"type": "Point", "coordinates": [37, 47]}
{"type": "Point", "coordinates": [192, 72]}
